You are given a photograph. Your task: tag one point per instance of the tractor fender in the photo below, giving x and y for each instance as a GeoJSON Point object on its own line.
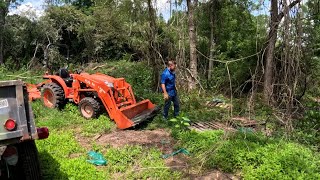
{"type": "Point", "coordinates": [60, 82]}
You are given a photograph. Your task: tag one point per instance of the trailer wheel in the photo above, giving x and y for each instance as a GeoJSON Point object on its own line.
{"type": "Point", "coordinates": [28, 162]}
{"type": "Point", "coordinates": [53, 96]}
{"type": "Point", "coordinates": [89, 107]}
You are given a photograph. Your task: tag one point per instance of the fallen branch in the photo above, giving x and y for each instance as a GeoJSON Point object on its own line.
{"type": "Point", "coordinates": [34, 56]}
{"type": "Point", "coordinates": [22, 77]}
{"type": "Point", "coordinates": [195, 78]}
{"type": "Point", "coordinates": [140, 169]}
{"type": "Point", "coordinates": [97, 67]}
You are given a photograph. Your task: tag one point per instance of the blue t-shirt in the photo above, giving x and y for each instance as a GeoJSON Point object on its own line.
{"type": "Point", "coordinates": [169, 79]}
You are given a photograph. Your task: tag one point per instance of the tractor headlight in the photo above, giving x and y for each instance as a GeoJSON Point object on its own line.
{"type": "Point", "coordinates": [109, 84]}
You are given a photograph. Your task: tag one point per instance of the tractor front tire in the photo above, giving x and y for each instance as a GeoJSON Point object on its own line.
{"type": "Point", "coordinates": [89, 108]}
{"type": "Point", "coordinates": [53, 96]}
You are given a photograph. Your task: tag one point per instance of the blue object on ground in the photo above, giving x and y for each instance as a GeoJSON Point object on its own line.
{"type": "Point", "coordinates": [96, 158]}
{"type": "Point", "coordinates": [217, 100]}
{"type": "Point", "coordinates": [184, 151]}
{"type": "Point", "coordinates": [245, 130]}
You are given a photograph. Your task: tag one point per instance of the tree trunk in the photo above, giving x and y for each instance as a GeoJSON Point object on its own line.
{"type": "Point", "coordinates": [2, 23]}
{"type": "Point", "coordinates": [212, 43]}
{"type": "Point", "coordinates": [4, 5]}
{"type": "Point", "coordinates": [272, 38]}
{"type": "Point", "coordinates": [193, 45]}
{"type": "Point", "coordinates": [152, 45]}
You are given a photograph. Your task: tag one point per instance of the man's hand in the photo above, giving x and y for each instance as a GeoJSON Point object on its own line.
{"type": "Point", "coordinates": [165, 96]}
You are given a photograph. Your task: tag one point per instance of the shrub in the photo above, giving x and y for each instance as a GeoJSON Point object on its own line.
{"type": "Point", "coordinates": [256, 156]}
{"type": "Point", "coordinates": [307, 128]}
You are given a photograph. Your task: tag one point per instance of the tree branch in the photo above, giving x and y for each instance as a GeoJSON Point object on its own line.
{"type": "Point", "coordinates": [281, 14]}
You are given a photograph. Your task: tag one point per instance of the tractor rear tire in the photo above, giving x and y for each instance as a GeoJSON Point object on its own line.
{"type": "Point", "coordinates": [90, 108]}
{"type": "Point", "coordinates": [53, 96]}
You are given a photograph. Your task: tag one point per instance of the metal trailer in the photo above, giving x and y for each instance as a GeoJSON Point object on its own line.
{"type": "Point", "coordinates": [18, 152]}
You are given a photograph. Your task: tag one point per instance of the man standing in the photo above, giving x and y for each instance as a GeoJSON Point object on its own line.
{"type": "Point", "coordinates": [168, 86]}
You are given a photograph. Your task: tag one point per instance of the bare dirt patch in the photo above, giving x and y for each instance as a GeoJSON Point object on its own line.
{"type": "Point", "coordinates": [179, 162]}
{"type": "Point", "coordinates": [156, 138]}
{"type": "Point", "coordinates": [214, 175]}
{"type": "Point", "coordinates": [160, 139]}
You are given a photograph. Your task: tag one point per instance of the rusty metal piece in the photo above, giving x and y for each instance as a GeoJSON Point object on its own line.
{"type": "Point", "coordinates": [245, 122]}
{"type": "Point", "coordinates": [236, 122]}
{"type": "Point", "coordinates": [203, 126]}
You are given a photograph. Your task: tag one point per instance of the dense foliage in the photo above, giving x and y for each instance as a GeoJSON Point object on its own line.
{"type": "Point", "coordinates": [256, 156]}
{"type": "Point", "coordinates": [91, 32]}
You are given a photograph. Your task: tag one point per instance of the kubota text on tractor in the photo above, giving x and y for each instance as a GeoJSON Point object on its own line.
{"type": "Point", "coordinates": [94, 94]}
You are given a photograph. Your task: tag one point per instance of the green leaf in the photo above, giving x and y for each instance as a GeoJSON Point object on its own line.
{"type": "Point", "coordinates": [174, 120]}
{"type": "Point", "coordinates": [177, 126]}
{"type": "Point", "coordinates": [311, 112]}
{"type": "Point", "coordinates": [186, 119]}
{"type": "Point", "coordinates": [186, 124]}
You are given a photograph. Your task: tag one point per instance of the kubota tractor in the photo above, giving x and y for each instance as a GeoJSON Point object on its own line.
{"type": "Point", "coordinates": [94, 94]}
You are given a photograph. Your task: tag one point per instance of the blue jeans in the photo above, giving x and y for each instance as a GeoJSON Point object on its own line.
{"type": "Point", "coordinates": [176, 105]}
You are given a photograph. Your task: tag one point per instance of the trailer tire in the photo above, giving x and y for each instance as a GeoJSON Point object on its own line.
{"type": "Point", "coordinates": [89, 108]}
{"type": "Point", "coordinates": [29, 161]}
{"type": "Point", "coordinates": [52, 96]}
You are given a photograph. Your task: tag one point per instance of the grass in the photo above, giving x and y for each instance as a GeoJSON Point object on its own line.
{"type": "Point", "coordinates": [62, 157]}
{"type": "Point", "coordinates": [253, 155]}
{"type": "Point", "coordinates": [57, 151]}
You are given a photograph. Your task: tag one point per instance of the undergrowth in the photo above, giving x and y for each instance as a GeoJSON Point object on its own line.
{"type": "Point", "coordinates": [307, 129]}
{"type": "Point", "coordinates": [253, 155]}
{"type": "Point", "coordinates": [62, 157]}
{"type": "Point", "coordinates": [57, 161]}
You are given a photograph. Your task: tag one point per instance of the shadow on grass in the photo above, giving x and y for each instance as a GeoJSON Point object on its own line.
{"type": "Point", "coordinates": [50, 167]}
{"type": "Point", "coordinates": [152, 124]}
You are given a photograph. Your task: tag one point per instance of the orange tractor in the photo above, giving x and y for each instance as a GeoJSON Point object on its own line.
{"type": "Point", "coordinates": [94, 94]}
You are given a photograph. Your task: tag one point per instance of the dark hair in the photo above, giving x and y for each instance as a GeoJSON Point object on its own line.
{"type": "Point", "coordinates": [171, 61]}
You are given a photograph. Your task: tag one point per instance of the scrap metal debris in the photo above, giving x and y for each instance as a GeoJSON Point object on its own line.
{"type": "Point", "coordinates": [218, 103]}
{"type": "Point", "coordinates": [203, 126]}
{"type": "Point", "coordinates": [236, 124]}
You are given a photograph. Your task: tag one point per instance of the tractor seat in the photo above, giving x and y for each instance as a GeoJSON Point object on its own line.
{"type": "Point", "coordinates": [64, 74]}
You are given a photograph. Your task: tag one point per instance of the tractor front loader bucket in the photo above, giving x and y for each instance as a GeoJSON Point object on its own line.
{"type": "Point", "coordinates": [136, 113]}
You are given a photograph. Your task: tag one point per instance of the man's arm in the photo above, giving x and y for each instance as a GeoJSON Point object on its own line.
{"type": "Point", "coordinates": [163, 87]}
{"type": "Point", "coordinates": [165, 94]}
